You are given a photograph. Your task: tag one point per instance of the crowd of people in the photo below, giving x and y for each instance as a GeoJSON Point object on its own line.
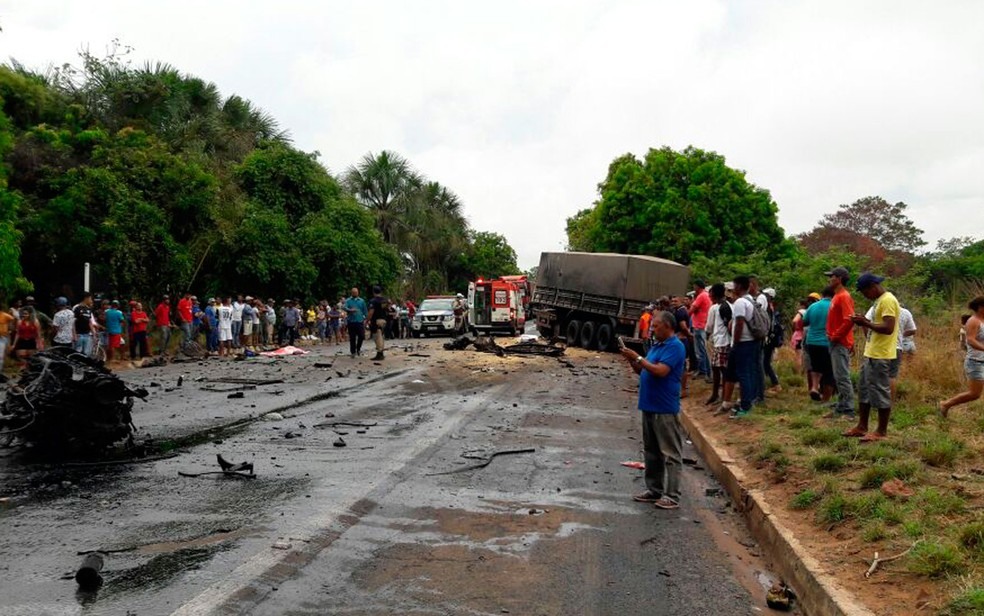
{"type": "Point", "coordinates": [224, 326]}
{"type": "Point", "coordinates": [729, 333]}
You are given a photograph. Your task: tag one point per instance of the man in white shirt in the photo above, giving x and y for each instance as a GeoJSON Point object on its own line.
{"type": "Point", "coordinates": [237, 320]}
{"type": "Point", "coordinates": [744, 360]}
{"type": "Point", "coordinates": [718, 329]}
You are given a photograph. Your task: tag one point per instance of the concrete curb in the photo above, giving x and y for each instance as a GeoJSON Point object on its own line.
{"type": "Point", "coordinates": [819, 593]}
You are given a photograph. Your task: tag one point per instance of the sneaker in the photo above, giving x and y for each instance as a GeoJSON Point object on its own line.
{"type": "Point", "coordinates": [738, 414]}
{"type": "Point", "coordinates": [647, 497]}
{"type": "Point", "coordinates": [378, 356]}
{"type": "Point", "coordinates": [666, 503]}
{"type": "Point", "coordinates": [725, 407]}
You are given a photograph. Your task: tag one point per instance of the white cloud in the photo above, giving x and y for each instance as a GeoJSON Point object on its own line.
{"type": "Point", "coordinates": [519, 107]}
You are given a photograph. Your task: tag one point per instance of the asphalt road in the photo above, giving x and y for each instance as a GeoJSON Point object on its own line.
{"type": "Point", "coordinates": [371, 528]}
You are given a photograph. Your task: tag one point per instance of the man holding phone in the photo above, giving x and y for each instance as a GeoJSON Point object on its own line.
{"type": "Point", "coordinates": [660, 373]}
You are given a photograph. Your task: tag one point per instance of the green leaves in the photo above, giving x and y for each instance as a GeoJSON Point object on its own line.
{"type": "Point", "coordinates": [679, 206]}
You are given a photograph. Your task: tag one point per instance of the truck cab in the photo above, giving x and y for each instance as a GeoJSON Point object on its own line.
{"type": "Point", "coordinates": [496, 306]}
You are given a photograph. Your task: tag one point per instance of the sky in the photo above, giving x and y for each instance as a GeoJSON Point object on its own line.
{"type": "Point", "coordinates": [519, 107]}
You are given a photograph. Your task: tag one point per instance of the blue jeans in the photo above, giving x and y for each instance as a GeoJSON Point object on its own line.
{"type": "Point", "coordinates": [84, 344]}
{"type": "Point", "coordinates": [748, 366]}
{"type": "Point", "coordinates": [700, 347]}
{"type": "Point", "coordinates": [237, 330]}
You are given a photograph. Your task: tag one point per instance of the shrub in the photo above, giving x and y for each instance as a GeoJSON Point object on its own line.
{"type": "Point", "coordinates": [935, 560]}
{"type": "Point", "coordinates": [970, 603]}
{"type": "Point", "coordinates": [876, 452]}
{"type": "Point", "coordinates": [804, 500]}
{"type": "Point", "coordinates": [800, 423]}
{"type": "Point", "coordinates": [940, 450]}
{"type": "Point", "coordinates": [913, 528]}
{"type": "Point", "coordinates": [828, 463]}
{"type": "Point", "coordinates": [867, 506]}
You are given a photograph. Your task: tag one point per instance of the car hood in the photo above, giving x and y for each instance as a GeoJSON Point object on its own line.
{"type": "Point", "coordinates": [434, 313]}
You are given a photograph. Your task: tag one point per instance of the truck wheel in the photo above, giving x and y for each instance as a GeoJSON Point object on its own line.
{"type": "Point", "coordinates": [573, 332]}
{"type": "Point", "coordinates": [588, 337]}
{"type": "Point", "coordinates": [545, 332]}
{"type": "Point", "coordinates": [605, 336]}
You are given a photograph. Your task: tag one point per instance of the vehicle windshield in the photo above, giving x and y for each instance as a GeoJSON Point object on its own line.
{"type": "Point", "coordinates": [436, 304]}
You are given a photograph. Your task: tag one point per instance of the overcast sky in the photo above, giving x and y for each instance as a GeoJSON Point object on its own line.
{"type": "Point", "coordinates": [519, 106]}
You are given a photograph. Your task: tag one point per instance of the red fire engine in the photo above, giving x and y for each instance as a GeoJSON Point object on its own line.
{"type": "Point", "coordinates": [497, 306]}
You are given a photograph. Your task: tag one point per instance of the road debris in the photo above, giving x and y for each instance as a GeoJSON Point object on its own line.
{"type": "Point", "coordinates": [88, 576]}
{"type": "Point", "coordinates": [486, 460]}
{"type": "Point", "coordinates": [66, 402]}
{"type": "Point", "coordinates": [634, 464]}
{"type": "Point", "coordinates": [340, 442]}
{"type": "Point", "coordinates": [780, 597]}
{"type": "Point", "coordinates": [243, 470]}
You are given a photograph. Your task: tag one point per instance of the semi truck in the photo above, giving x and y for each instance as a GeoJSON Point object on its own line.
{"type": "Point", "coordinates": [590, 298]}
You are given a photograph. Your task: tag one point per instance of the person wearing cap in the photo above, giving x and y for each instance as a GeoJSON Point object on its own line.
{"type": "Point", "coordinates": [817, 348]}
{"type": "Point", "coordinates": [64, 324]}
{"type": "Point", "coordinates": [210, 320]}
{"type": "Point", "coordinates": [139, 320]}
{"type": "Point", "coordinates": [114, 329]}
{"type": "Point", "coordinates": [880, 350]}
{"type": "Point", "coordinates": [459, 307]}
{"type": "Point", "coordinates": [356, 311]}
{"type": "Point", "coordinates": [186, 316]}
{"type": "Point", "coordinates": [840, 333]}
{"type": "Point", "coordinates": [773, 340]}
{"type": "Point", "coordinates": [744, 361]}
{"type": "Point", "coordinates": [699, 310]}
{"type": "Point", "coordinates": [643, 326]}
{"type": "Point", "coordinates": [162, 316]}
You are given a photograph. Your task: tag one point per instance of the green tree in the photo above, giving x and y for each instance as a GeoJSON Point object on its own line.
{"type": "Point", "coordinates": [12, 280]}
{"type": "Point", "coordinates": [489, 255]}
{"type": "Point", "coordinates": [679, 206]}
{"type": "Point", "coordinates": [386, 184]}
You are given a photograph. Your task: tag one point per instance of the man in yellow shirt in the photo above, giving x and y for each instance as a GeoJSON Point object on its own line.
{"type": "Point", "coordinates": [6, 321]}
{"type": "Point", "coordinates": [874, 387]}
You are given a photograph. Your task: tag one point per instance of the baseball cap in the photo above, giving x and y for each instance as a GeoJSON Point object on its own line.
{"type": "Point", "coordinates": [770, 292]}
{"type": "Point", "coordinates": [61, 301]}
{"type": "Point", "coordinates": [815, 295]}
{"type": "Point", "coordinates": [729, 286]}
{"type": "Point", "coordinates": [650, 307]}
{"type": "Point", "coordinates": [838, 271]}
{"type": "Point", "coordinates": [867, 279]}
{"type": "Point", "coordinates": [115, 302]}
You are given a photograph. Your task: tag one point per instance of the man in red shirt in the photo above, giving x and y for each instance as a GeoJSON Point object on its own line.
{"type": "Point", "coordinates": [699, 309]}
{"type": "Point", "coordinates": [840, 332]}
{"type": "Point", "coordinates": [162, 315]}
{"type": "Point", "coordinates": [138, 331]}
{"type": "Point", "coordinates": [185, 315]}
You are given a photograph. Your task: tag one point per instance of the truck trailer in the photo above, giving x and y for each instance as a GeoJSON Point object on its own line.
{"type": "Point", "coordinates": [590, 298]}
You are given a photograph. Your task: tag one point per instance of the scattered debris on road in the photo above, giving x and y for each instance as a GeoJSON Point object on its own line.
{"type": "Point", "coordinates": [243, 470]}
{"type": "Point", "coordinates": [67, 403]}
{"type": "Point", "coordinates": [486, 460]}
{"type": "Point", "coordinates": [634, 464]}
{"type": "Point", "coordinates": [88, 576]}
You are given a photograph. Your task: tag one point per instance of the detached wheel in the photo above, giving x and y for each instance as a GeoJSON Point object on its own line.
{"type": "Point", "coordinates": [573, 332]}
{"type": "Point", "coordinates": [589, 333]}
{"type": "Point", "coordinates": [606, 335]}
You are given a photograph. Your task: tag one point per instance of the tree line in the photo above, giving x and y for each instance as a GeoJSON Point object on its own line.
{"type": "Point", "coordinates": [690, 206]}
{"type": "Point", "coordinates": [163, 184]}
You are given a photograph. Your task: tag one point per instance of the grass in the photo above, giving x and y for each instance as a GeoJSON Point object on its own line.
{"type": "Point", "coordinates": [832, 481]}
{"type": "Point", "coordinates": [935, 560]}
{"type": "Point", "coordinates": [940, 450]}
{"type": "Point", "coordinates": [968, 603]}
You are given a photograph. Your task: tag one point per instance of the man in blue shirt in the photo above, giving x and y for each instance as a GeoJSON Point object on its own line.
{"type": "Point", "coordinates": [114, 327]}
{"type": "Point", "coordinates": [660, 373]}
{"type": "Point", "coordinates": [357, 310]}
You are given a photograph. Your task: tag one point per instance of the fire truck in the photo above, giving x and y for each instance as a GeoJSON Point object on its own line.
{"type": "Point", "coordinates": [496, 306]}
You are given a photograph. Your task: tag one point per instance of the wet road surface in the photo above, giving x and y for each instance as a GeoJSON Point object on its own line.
{"type": "Point", "coordinates": [372, 528]}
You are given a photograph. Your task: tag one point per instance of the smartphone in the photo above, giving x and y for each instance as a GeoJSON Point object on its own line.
{"type": "Point", "coordinates": [621, 343]}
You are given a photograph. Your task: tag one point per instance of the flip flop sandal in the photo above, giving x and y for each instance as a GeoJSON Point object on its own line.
{"type": "Point", "coordinates": [854, 432]}
{"type": "Point", "coordinates": [872, 438]}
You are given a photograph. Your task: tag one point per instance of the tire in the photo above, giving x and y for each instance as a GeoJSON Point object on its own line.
{"type": "Point", "coordinates": [415, 334]}
{"type": "Point", "coordinates": [589, 335]}
{"type": "Point", "coordinates": [606, 336]}
{"type": "Point", "coordinates": [573, 332]}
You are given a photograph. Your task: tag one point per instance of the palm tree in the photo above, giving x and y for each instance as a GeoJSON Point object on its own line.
{"type": "Point", "coordinates": [385, 184]}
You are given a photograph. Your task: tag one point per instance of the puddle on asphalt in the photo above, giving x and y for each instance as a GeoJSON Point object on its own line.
{"type": "Point", "coordinates": [158, 571]}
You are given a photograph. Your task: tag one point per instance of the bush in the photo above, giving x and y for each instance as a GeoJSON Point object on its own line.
{"type": "Point", "coordinates": [804, 500]}
{"type": "Point", "coordinates": [867, 506]}
{"type": "Point", "coordinates": [941, 451]}
{"type": "Point", "coordinates": [828, 463]}
{"type": "Point", "coordinates": [875, 475]}
{"type": "Point", "coordinates": [935, 560]}
{"type": "Point", "coordinates": [972, 537]}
